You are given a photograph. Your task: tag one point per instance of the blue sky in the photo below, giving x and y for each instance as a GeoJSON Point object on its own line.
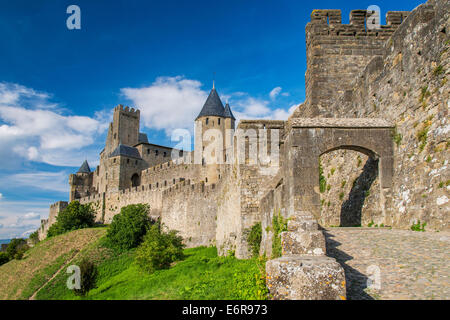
{"type": "Point", "coordinates": [58, 86]}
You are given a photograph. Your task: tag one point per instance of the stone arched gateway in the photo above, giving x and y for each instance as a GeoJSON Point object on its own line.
{"type": "Point", "coordinates": [304, 271]}
{"type": "Point", "coordinates": [308, 139]}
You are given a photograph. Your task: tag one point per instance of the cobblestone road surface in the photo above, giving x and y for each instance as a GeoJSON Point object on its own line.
{"type": "Point", "coordinates": [412, 265]}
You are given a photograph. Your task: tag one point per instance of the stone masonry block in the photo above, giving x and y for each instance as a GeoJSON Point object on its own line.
{"type": "Point", "coordinates": [305, 278]}
{"type": "Point", "coordinates": [303, 242]}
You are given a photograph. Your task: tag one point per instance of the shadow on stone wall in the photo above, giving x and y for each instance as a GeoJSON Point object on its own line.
{"type": "Point", "coordinates": [351, 210]}
{"type": "Point", "coordinates": [356, 282]}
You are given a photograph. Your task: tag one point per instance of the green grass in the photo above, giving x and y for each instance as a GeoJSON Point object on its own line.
{"type": "Point", "coordinates": [202, 275]}
{"type": "Point", "coordinates": [21, 278]}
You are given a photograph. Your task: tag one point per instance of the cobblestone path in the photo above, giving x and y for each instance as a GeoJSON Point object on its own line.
{"type": "Point", "coordinates": [413, 265]}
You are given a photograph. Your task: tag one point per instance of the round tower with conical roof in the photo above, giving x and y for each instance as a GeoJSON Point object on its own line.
{"type": "Point", "coordinates": [212, 126]}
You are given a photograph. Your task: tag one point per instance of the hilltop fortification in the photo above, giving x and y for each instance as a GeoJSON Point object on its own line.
{"type": "Point", "coordinates": [368, 145]}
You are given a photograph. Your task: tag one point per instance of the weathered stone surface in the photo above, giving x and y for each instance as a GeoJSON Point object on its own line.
{"type": "Point", "coordinates": [303, 242]}
{"type": "Point", "coordinates": [305, 278]}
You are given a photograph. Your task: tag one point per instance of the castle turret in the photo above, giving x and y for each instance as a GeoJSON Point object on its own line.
{"type": "Point", "coordinates": [81, 183]}
{"type": "Point", "coordinates": [211, 127]}
{"type": "Point", "coordinates": [84, 168]}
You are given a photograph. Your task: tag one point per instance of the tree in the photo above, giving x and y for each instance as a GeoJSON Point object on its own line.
{"type": "Point", "coordinates": [4, 258]}
{"type": "Point", "coordinates": [159, 249]}
{"type": "Point", "coordinates": [88, 273]}
{"type": "Point", "coordinates": [129, 227]}
{"type": "Point", "coordinates": [34, 237]}
{"type": "Point", "coordinates": [16, 249]}
{"type": "Point", "coordinates": [75, 216]}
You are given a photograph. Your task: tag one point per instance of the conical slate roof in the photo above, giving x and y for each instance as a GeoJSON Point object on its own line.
{"type": "Point", "coordinates": [228, 113]}
{"type": "Point", "coordinates": [213, 106]}
{"type": "Point", "coordinates": [84, 168]}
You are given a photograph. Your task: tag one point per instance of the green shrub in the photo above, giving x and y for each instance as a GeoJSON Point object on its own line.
{"type": "Point", "coordinates": [88, 273]}
{"type": "Point", "coordinates": [254, 239]}
{"type": "Point", "coordinates": [418, 227]}
{"type": "Point", "coordinates": [438, 70]}
{"type": "Point", "coordinates": [159, 249]}
{"type": "Point", "coordinates": [75, 216]}
{"type": "Point", "coordinates": [34, 237]}
{"type": "Point", "coordinates": [129, 227]}
{"type": "Point", "coordinates": [341, 195]}
{"type": "Point", "coordinates": [322, 180]}
{"type": "Point", "coordinates": [16, 249]}
{"type": "Point", "coordinates": [279, 225]}
{"type": "Point", "coordinates": [4, 258]}
{"type": "Point", "coordinates": [397, 137]}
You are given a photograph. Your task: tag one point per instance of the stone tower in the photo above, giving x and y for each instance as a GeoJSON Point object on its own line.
{"type": "Point", "coordinates": [124, 129]}
{"type": "Point", "coordinates": [213, 133]}
{"type": "Point", "coordinates": [81, 182]}
{"type": "Point", "coordinates": [337, 54]}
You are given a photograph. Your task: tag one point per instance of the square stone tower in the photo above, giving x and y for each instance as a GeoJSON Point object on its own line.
{"type": "Point", "coordinates": [338, 53]}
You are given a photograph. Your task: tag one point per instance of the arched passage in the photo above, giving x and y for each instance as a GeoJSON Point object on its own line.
{"type": "Point", "coordinates": [349, 188]}
{"type": "Point", "coordinates": [308, 139]}
{"type": "Point", "coordinates": [135, 180]}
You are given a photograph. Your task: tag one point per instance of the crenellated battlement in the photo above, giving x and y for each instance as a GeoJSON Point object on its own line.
{"type": "Point", "coordinates": [337, 53]}
{"type": "Point", "coordinates": [128, 110]}
{"type": "Point", "coordinates": [357, 17]}
{"type": "Point", "coordinates": [186, 188]}
{"type": "Point", "coordinates": [329, 23]}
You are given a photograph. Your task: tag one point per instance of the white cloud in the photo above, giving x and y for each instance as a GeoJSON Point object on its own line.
{"type": "Point", "coordinates": [31, 216]}
{"type": "Point", "coordinates": [252, 108]}
{"type": "Point", "coordinates": [174, 102]}
{"type": "Point", "coordinates": [275, 92]}
{"type": "Point", "coordinates": [169, 103]}
{"type": "Point", "coordinates": [17, 217]}
{"type": "Point", "coordinates": [34, 129]}
{"type": "Point", "coordinates": [53, 181]}
{"type": "Point", "coordinates": [1, 196]}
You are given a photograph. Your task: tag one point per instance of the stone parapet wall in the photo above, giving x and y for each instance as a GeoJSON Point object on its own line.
{"type": "Point", "coordinates": [408, 86]}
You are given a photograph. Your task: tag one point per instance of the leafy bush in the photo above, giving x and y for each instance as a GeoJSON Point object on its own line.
{"type": "Point", "coordinates": [418, 227]}
{"type": "Point", "coordinates": [75, 216]}
{"type": "Point", "coordinates": [254, 239]}
{"type": "Point", "coordinates": [4, 258]}
{"type": "Point", "coordinates": [159, 249]}
{"type": "Point", "coordinates": [88, 273]}
{"type": "Point", "coordinates": [34, 237]}
{"type": "Point", "coordinates": [128, 228]}
{"type": "Point", "coordinates": [279, 225]}
{"type": "Point", "coordinates": [16, 249]}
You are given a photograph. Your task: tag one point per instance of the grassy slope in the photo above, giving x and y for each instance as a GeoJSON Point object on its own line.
{"type": "Point", "coordinates": [19, 279]}
{"type": "Point", "coordinates": [201, 275]}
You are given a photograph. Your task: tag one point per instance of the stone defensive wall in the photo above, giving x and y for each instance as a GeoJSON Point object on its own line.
{"type": "Point", "coordinates": [53, 212]}
{"type": "Point", "coordinates": [408, 85]}
{"type": "Point", "coordinates": [191, 209]}
{"type": "Point", "coordinates": [169, 173]}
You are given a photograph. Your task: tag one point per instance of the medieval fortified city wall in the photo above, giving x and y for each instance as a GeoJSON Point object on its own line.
{"type": "Point", "coordinates": [368, 145]}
